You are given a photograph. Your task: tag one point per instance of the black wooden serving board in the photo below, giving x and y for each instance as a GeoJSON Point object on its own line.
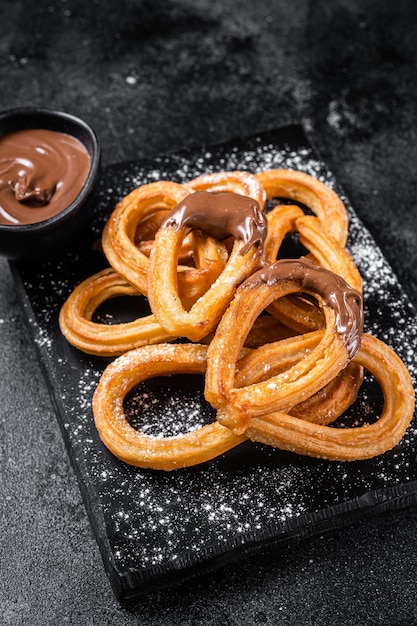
{"type": "Point", "coordinates": [152, 527]}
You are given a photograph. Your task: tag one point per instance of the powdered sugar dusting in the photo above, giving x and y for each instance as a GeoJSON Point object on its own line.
{"type": "Point", "coordinates": [156, 522]}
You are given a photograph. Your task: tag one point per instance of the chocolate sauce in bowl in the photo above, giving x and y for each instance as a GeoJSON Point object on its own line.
{"type": "Point", "coordinates": [41, 173]}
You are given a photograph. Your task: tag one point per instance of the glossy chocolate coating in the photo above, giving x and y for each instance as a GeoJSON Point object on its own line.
{"type": "Point", "coordinates": [332, 289]}
{"type": "Point", "coordinates": [221, 215]}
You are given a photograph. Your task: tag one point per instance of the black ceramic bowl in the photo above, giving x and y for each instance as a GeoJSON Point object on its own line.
{"type": "Point", "coordinates": [65, 230]}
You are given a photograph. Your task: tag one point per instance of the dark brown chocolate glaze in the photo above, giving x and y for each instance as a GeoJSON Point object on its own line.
{"type": "Point", "coordinates": [41, 173]}
{"type": "Point", "coordinates": [221, 215]}
{"type": "Point", "coordinates": [332, 288]}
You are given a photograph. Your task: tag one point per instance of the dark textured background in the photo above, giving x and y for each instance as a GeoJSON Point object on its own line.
{"type": "Point", "coordinates": [154, 76]}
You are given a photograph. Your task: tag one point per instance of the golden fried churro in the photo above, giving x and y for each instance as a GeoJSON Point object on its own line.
{"type": "Point", "coordinates": [303, 316]}
{"type": "Point", "coordinates": [75, 318]}
{"type": "Point", "coordinates": [121, 237]}
{"type": "Point", "coordinates": [167, 453]}
{"type": "Point", "coordinates": [136, 448]}
{"type": "Point", "coordinates": [342, 307]}
{"type": "Point", "coordinates": [221, 215]}
{"type": "Point", "coordinates": [303, 188]}
{"type": "Point", "coordinates": [281, 430]}
{"type": "Point", "coordinates": [119, 233]}
{"type": "Point", "coordinates": [284, 355]}
{"type": "Point", "coordinates": [274, 358]}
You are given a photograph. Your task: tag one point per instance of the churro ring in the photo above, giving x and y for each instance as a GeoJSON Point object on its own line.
{"type": "Point", "coordinates": [292, 311]}
{"type": "Point", "coordinates": [324, 248]}
{"type": "Point", "coordinates": [122, 249]}
{"type": "Point", "coordinates": [236, 181]}
{"type": "Point", "coordinates": [303, 436]}
{"type": "Point", "coordinates": [348, 444]}
{"type": "Point", "coordinates": [118, 238]}
{"type": "Point", "coordinates": [276, 357]}
{"type": "Point", "coordinates": [221, 215]}
{"type": "Point", "coordinates": [75, 318]}
{"type": "Point", "coordinates": [303, 316]}
{"type": "Point", "coordinates": [266, 382]}
{"type": "Point", "coordinates": [326, 251]}
{"type": "Point", "coordinates": [342, 307]}
{"type": "Point", "coordinates": [303, 188]}
{"type": "Point", "coordinates": [136, 448]}
{"type": "Point", "coordinates": [166, 453]}
{"type": "Point", "coordinates": [281, 221]}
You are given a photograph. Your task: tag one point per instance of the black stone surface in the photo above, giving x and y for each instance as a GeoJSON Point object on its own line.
{"type": "Point", "coordinates": [154, 77]}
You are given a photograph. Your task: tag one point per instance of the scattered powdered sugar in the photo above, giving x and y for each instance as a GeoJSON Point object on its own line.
{"type": "Point", "coordinates": [154, 522]}
{"type": "Point", "coordinates": [182, 410]}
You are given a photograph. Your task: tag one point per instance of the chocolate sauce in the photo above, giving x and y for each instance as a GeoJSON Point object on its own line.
{"type": "Point", "coordinates": [221, 215]}
{"type": "Point", "coordinates": [333, 289]}
{"type": "Point", "coordinates": [41, 173]}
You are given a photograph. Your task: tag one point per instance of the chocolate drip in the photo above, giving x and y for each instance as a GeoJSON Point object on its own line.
{"type": "Point", "coordinates": [221, 215]}
{"type": "Point", "coordinates": [333, 290]}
